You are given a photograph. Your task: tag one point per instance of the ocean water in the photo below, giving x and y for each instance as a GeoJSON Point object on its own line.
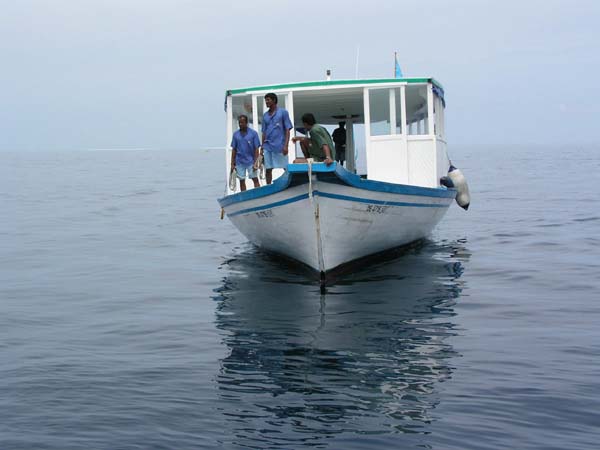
{"type": "Point", "coordinates": [131, 317]}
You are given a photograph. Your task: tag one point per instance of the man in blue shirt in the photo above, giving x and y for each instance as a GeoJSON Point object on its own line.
{"type": "Point", "coordinates": [276, 126]}
{"type": "Point", "coordinates": [245, 146]}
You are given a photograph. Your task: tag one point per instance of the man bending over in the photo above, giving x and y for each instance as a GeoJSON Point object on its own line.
{"type": "Point", "coordinates": [318, 144]}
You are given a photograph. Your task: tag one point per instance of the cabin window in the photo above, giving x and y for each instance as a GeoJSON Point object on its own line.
{"type": "Point", "coordinates": [385, 106]}
{"type": "Point", "coordinates": [416, 110]}
{"type": "Point", "coordinates": [379, 107]}
{"type": "Point", "coordinates": [260, 110]}
{"type": "Point", "coordinates": [242, 104]}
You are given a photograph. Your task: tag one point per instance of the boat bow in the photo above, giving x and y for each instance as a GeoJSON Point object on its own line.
{"type": "Point", "coordinates": [326, 216]}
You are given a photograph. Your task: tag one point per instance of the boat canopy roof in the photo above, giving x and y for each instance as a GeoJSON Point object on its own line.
{"type": "Point", "coordinates": [333, 100]}
{"type": "Point", "coordinates": [324, 83]}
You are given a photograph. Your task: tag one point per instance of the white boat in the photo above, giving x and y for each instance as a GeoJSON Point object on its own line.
{"type": "Point", "coordinates": [388, 193]}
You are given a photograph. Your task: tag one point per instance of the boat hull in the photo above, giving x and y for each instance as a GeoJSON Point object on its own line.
{"type": "Point", "coordinates": [326, 217]}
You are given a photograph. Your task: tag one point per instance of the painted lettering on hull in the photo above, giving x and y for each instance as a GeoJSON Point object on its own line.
{"type": "Point", "coordinates": [377, 209]}
{"type": "Point", "coordinates": [264, 214]}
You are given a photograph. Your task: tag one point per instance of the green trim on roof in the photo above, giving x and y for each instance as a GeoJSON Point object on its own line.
{"type": "Point", "coordinates": [275, 87]}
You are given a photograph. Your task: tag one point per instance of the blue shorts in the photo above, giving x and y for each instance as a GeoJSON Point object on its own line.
{"type": "Point", "coordinates": [275, 160]}
{"type": "Point", "coordinates": [242, 171]}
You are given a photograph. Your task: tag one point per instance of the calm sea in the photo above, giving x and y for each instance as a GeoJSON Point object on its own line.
{"type": "Point", "coordinates": [131, 317]}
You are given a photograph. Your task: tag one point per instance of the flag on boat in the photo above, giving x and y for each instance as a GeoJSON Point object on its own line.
{"type": "Point", "coordinates": [397, 70]}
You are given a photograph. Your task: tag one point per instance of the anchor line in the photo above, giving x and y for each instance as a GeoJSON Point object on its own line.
{"type": "Point", "coordinates": [315, 204]}
{"type": "Point", "coordinates": [309, 161]}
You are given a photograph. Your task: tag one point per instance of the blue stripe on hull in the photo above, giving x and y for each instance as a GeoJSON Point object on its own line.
{"type": "Point", "coordinates": [379, 202]}
{"type": "Point", "coordinates": [337, 197]}
{"type": "Point", "coordinates": [270, 205]}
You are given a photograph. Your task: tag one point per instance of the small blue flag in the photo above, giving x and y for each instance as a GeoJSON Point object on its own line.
{"type": "Point", "coordinates": [398, 71]}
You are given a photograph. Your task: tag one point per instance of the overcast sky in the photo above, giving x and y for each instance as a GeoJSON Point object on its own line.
{"type": "Point", "coordinates": [152, 73]}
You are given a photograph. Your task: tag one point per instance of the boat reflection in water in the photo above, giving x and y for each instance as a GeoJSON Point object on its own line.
{"type": "Point", "coordinates": [351, 368]}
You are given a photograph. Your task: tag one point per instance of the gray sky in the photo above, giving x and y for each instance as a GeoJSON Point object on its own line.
{"type": "Point", "coordinates": [152, 73]}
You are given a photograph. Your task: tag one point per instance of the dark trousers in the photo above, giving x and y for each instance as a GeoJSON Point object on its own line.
{"type": "Point", "coordinates": [340, 153]}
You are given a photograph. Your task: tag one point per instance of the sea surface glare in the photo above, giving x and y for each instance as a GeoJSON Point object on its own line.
{"type": "Point", "coordinates": [131, 317]}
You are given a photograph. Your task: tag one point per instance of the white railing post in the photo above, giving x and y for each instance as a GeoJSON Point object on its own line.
{"type": "Point", "coordinates": [403, 130]}
{"type": "Point", "coordinates": [430, 128]}
{"type": "Point", "coordinates": [290, 108]}
{"type": "Point", "coordinates": [350, 148]}
{"type": "Point", "coordinates": [255, 115]}
{"type": "Point", "coordinates": [392, 95]}
{"type": "Point", "coordinates": [367, 109]}
{"type": "Point", "coordinates": [229, 132]}
{"type": "Point", "coordinates": [443, 120]}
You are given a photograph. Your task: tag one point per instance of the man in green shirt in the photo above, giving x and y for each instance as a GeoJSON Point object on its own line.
{"type": "Point", "coordinates": [318, 144]}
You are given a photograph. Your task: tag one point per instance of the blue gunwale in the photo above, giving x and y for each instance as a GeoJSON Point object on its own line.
{"type": "Point", "coordinates": [347, 177]}
{"type": "Point", "coordinates": [280, 184]}
{"type": "Point", "coordinates": [392, 188]}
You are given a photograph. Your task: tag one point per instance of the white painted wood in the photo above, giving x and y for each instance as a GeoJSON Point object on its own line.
{"type": "Point", "coordinates": [442, 160]}
{"type": "Point", "coordinates": [404, 143]}
{"type": "Point", "coordinates": [350, 145]}
{"type": "Point", "coordinates": [403, 109]}
{"type": "Point", "coordinates": [419, 137]}
{"type": "Point", "coordinates": [255, 124]}
{"type": "Point", "coordinates": [386, 138]}
{"type": "Point", "coordinates": [430, 127]}
{"type": "Point", "coordinates": [290, 109]}
{"type": "Point", "coordinates": [228, 137]}
{"type": "Point", "coordinates": [439, 114]}
{"type": "Point", "coordinates": [386, 159]}
{"type": "Point", "coordinates": [443, 119]}
{"type": "Point", "coordinates": [367, 111]}
{"type": "Point", "coordinates": [422, 163]}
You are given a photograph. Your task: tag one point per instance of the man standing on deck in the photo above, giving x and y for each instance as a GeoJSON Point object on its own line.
{"type": "Point", "coordinates": [245, 146]}
{"type": "Point", "coordinates": [276, 128]}
{"type": "Point", "coordinates": [339, 139]}
{"type": "Point", "coordinates": [318, 144]}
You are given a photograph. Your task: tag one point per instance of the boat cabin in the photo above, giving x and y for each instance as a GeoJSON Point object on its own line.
{"type": "Point", "coordinates": [395, 128]}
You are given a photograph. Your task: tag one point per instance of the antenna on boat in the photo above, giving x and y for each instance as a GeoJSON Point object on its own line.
{"type": "Point", "coordinates": [357, 54]}
{"type": "Point", "coordinates": [328, 74]}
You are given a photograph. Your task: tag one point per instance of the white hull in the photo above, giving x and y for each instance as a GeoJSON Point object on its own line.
{"type": "Point", "coordinates": [328, 222]}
